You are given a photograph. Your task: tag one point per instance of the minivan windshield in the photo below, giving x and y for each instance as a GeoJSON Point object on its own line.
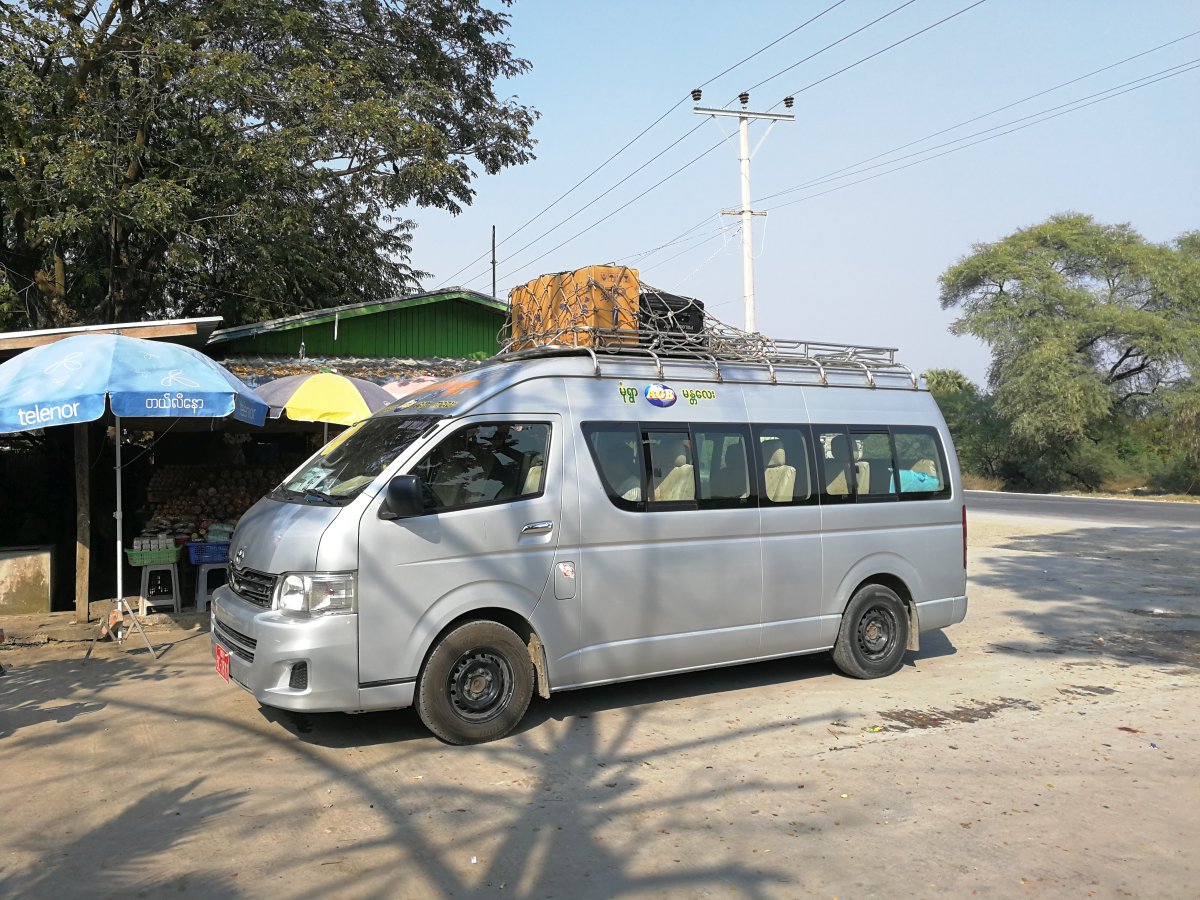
{"type": "Point", "coordinates": [346, 465]}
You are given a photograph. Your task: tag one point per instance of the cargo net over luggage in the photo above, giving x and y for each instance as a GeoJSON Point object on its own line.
{"type": "Point", "coordinates": [608, 308]}
{"type": "Point", "coordinates": [605, 307]}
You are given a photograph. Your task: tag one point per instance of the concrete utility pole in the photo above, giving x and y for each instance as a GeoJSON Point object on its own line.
{"type": "Point", "coordinates": [493, 262]}
{"type": "Point", "coordinates": [744, 155]}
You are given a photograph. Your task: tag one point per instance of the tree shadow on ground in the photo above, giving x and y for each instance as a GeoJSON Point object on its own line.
{"type": "Point", "coordinates": [110, 860]}
{"type": "Point", "coordinates": [33, 693]}
{"type": "Point", "coordinates": [1125, 593]}
{"type": "Point", "coordinates": [574, 798]}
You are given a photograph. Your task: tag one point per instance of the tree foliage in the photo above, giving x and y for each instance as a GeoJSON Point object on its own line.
{"type": "Point", "coordinates": [1084, 320]}
{"type": "Point", "coordinates": [982, 437]}
{"type": "Point", "coordinates": [237, 157]}
{"type": "Point", "coordinates": [1095, 341]}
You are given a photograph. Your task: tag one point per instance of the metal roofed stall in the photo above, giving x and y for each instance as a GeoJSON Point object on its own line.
{"type": "Point", "coordinates": [77, 379]}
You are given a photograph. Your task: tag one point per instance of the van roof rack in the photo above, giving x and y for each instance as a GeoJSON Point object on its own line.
{"type": "Point", "coordinates": [714, 345]}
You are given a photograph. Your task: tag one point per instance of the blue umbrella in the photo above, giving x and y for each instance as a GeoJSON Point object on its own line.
{"type": "Point", "coordinates": [70, 381]}
{"type": "Point", "coordinates": [67, 382]}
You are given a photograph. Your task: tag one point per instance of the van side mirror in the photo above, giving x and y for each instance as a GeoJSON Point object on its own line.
{"type": "Point", "coordinates": [403, 498]}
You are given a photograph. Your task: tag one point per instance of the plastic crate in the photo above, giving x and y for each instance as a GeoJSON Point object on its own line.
{"type": "Point", "coordinates": [152, 557]}
{"type": "Point", "coordinates": [208, 552]}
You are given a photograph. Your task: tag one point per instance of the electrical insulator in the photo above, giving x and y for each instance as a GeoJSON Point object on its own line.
{"type": "Point", "coordinates": [696, 94]}
{"type": "Point", "coordinates": [789, 101]}
{"type": "Point", "coordinates": [744, 97]}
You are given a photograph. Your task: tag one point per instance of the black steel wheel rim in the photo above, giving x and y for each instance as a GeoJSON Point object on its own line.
{"type": "Point", "coordinates": [481, 683]}
{"type": "Point", "coordinates": [877, 630]}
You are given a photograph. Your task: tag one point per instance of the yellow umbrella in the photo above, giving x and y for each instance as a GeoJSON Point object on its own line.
{"type": "Point", "coordinates": [323, 397]}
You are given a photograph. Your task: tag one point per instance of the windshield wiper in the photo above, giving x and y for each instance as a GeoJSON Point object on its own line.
{"type": "Point", "coordinates": [309, 494]}
{"type": "Point", "coordinates": [320, 495]}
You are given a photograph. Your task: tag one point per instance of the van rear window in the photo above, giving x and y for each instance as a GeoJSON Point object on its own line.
{"type": "Point", "coordinates": [920, 463]}
{"type": "Point", "coordinates": [881, 463]}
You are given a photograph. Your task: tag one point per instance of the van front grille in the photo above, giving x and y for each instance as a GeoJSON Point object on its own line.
{"type": "Point", "coordinates": [240, 645]}
{"type": "Point", "coordinates": [252, 586]}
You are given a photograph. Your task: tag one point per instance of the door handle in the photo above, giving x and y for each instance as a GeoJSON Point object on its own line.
{"type": "Point", "coordinates": [538, 528]}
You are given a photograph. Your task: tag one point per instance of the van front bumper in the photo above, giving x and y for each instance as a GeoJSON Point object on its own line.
{"type": "Point", "coordinates": [306, 665]}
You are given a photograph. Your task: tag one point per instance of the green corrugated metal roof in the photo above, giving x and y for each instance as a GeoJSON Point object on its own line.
{"type": "Point", "coordinates": [321, 316]}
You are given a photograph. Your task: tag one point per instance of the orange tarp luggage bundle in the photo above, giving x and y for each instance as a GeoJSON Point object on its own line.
{"type": "Point", "coordinates": [568, 309]}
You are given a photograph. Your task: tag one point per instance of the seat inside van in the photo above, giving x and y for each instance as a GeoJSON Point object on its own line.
{"type": "Point", "coordinates": [533, 478]}
{"type": "Point", "coordinates": [862, 474]}
{"type": "Point", "coordinates": [837, 461]}
{"type": "Point", "coordinates": [679, 483]}
{"type": "Point", "coordinates": [779, 476]}
{"type": "Point", "coordinates": [730, 481]}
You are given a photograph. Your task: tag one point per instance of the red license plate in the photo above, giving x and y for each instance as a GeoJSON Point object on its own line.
{"type": "Point", "coordinates": [222, 656]}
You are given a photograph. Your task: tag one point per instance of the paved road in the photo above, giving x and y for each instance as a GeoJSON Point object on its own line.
{"type": "Point", "coordinates": [1117, 512]}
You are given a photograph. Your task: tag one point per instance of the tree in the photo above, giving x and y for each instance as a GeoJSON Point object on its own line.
{"type": "Point", "coordinates": [1085, 321]}
{"type": "Point", "coordinates": [237, 157]}
{"type": "Point", "coordinates": [982, 438]}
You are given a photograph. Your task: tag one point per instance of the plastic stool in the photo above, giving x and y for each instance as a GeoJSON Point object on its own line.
{"type": "Point", "coordinates": [160, 586]}
{"type": "Point", "coordinates": [205, 582]}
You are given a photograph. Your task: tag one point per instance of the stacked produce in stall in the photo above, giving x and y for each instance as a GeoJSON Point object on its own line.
{"type": "Point", "coordinates": [204, 503]}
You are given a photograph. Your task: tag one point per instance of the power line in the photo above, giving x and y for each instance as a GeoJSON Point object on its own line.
{"type": "Point", "coordinates": [617, 210]}
{"type": "Point", "coordinates": [856, 170]}
{"type": "Point", "coordinates": [890, 46]}
{"type": "Point", "coordinates": [776, 41]}
{"type": "Point", "coordinates": [1004, 107]}
{"type": "Point", "coordinates": [732, 228]}
{"type": "Point", "coordinates": [692, 274]}
{"type": "Point", "coordinates": [674, 242]}
{"type": "Point", "coordinates": [830, 46]}
{"type": "Point", "coordinates": [986, 139]}
{"type": "Point", "coordinates": [642, 133]}
{"type": "Point", "coordinates": [687, 134]}
{"type": "Point", "coordinates": [554, 228]}
{"type": "Point", "coordinates": [598, 198]}
{"type": "Point", "coordinates": [1076, 105]}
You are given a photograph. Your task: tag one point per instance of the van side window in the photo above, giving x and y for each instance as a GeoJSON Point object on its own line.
{"type": "Point", "coordinates": [673, 467]}
{"type": "Point", "coordinates": [783, 452]}
{"type": "Point", "coordinates": [724, 473]}
{"type": "Point", "coordinates": [836, 459]}
{"type": "Point", "coordinates": [920, 463]}
{"type": "Point", "coordinates": [489, 463]}
{"type": "Point", "coordinates": [617, 452]}
{"type": "Point", "coordinates": [672, 473]}
{"type": "Point", "coordinates": [873, 467]}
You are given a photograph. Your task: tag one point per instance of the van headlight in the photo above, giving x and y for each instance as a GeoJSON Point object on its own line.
{"type": "Point", "coordinates": [316, 593]}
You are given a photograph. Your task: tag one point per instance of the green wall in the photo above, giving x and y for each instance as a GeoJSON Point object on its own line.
{"type": "Point", "coordinates": [442, 327]}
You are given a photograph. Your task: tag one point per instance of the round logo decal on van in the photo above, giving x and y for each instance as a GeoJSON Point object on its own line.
{"type": "Point", "coordinates": [660, 394]}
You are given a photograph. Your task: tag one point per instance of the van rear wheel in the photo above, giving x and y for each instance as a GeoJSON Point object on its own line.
{"type": "Point", "coordinates": [874, 634]}
{"type": "Point", "coordinates": [476, 684]}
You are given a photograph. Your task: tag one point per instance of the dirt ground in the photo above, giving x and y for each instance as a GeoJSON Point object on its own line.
{"type": "Point", "coordinates": [1048, 746]}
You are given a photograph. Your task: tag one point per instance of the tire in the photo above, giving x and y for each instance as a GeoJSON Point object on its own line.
{"type": "Point", "coordinates": [476, 684]}
{"type": "Point", "coordinates": [874, 634]}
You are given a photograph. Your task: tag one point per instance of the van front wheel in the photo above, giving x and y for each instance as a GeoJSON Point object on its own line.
{"type": "Point", "coordinates": [476, 684]}
{"type": "Point", "coordinates": [874, 634]}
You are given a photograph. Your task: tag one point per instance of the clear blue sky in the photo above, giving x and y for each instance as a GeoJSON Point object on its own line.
{"type": "Point", "coordinates": [858, 265]}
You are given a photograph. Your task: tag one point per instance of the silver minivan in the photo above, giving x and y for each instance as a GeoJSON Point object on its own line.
{"type": "Point", "coordinates": [561, 519]}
